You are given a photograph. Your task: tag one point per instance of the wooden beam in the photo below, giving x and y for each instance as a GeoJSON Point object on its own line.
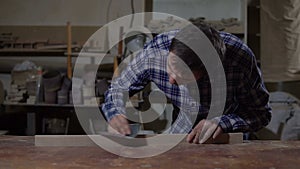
{"type": "Point", "coordinates": [69, 50]}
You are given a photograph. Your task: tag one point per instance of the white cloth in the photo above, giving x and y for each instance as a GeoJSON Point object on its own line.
{"type": "Point", "coordinates": [286, 113]}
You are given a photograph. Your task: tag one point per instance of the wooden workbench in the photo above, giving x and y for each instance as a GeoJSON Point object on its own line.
{"type": "Point", "coordinates": [20, 152]}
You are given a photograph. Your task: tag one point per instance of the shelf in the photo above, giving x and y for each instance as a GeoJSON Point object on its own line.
{"type": "Point", "coordinates": [88, 54]}
{"type": "Point", "coordinates": [31, 52]}
{"type": "Point", "coordinates": [49, 105]}
{"type": "Point", "coordinates": [40, 53]}
{"type": "Point", "coordinates": [235, 30]}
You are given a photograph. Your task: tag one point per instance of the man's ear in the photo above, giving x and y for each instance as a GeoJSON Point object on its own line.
{"type": "Point", "coordinates": [198, 74]}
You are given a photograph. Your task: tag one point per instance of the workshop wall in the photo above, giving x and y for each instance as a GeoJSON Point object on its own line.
{"type": "Point", "coordinates": [58, 12]}
{"type": "Point", "coordinates": [203, 8]}
{"type": "Point", "coordinates": [40, 20]}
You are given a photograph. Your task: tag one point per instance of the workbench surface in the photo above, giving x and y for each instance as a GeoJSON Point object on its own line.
{"type": "Point", "coordinates": [20, 152]}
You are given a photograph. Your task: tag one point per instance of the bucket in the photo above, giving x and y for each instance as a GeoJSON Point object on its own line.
{"type": "Point", "coordinates": [52, 81]}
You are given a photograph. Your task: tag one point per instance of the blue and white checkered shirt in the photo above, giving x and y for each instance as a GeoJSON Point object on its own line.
{"type": "Point", "coordinates": [246, 107]}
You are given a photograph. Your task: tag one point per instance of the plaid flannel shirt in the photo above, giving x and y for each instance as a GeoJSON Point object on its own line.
{"type": "Point", "coordinates": [246, 108]}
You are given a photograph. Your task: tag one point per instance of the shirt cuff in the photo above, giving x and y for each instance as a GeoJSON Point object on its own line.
{"type": "Point", "coordinates": [224, 123]}
{"type": "Point", "coordinates": [233, 123]}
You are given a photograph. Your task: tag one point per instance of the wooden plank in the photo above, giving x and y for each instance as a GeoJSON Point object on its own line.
{"type": "Point", "coordinates": [236, 138]}
{"type": "Point", "coordinates": [63, 140]}
{"type": "Point", "coordinates": [69, 50]}
{"type": "Point", "coordinates": [85, 140]}
{"type": "Point", "coordinates": [226, 138]}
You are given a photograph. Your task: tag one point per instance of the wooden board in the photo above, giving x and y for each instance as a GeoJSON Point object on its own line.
{"type": "Point", "coordinates": [85, 140]}
{"type": "Point", "coordinates": [226, 138]}
{"type": "Point", "coordinates": [63, 140]}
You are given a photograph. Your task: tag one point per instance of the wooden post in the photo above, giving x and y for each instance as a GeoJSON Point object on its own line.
{"type": "Point", "coordinates": [69, 50]}
{"type": "Point", "coordinates": [120, 52]}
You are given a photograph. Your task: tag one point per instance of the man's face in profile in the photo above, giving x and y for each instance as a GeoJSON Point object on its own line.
{"type": "Point", "coordinates": [179, 73]}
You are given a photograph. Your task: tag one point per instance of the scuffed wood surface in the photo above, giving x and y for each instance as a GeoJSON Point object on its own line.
{"type": "Point", "coordinates": [20, 152]}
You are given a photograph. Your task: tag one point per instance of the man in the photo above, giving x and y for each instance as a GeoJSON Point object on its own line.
{"type": "Point", "coordinates": [160, 62]}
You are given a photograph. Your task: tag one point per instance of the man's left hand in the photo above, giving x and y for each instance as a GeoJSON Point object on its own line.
{"type": "Point", "coordinates": [203, 131]}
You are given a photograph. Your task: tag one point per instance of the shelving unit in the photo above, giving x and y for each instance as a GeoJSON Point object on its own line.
{"type": "Point", "coordinates": [30, 52]}
{"type": "Point", "coordinates": [212, 11]}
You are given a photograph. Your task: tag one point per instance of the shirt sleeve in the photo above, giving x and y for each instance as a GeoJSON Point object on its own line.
{"type": "Point", "coordinates": [253, 111]}
{"type": "Point", "coordinates": [131, 80]}
{"type": "Point", "coordinates": [147, 66]}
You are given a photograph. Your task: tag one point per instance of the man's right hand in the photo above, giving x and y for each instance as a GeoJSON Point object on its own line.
{"type": "Point", "coordinates": [119, 124]}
